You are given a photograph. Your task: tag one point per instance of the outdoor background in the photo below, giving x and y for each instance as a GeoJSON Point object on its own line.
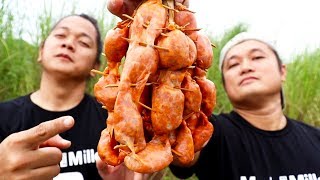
{"type": "Point", "coordinates": [21, 34]}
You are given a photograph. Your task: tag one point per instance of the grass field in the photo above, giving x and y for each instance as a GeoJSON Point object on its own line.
{"type": "Point", "coordinates": [20, 73]}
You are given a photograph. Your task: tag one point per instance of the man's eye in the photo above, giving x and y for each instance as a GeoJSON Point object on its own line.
{"type": "Point", "coordinates": [257, 57]}
{"type": "Point", "coordinates": [84, 44]}
{"type": "Point", "coordinates": [60, 35]}
{"type": "Point", "coordinates": [233, 65]}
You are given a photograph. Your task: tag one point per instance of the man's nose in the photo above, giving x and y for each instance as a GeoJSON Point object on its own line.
{"type": "Point", "coordinates": [68, 43]}
{"type": "Point", "coordinates": [246, 66]}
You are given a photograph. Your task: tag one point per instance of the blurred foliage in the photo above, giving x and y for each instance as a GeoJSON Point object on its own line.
{"type": "Point", "coordinates": [21, 74]}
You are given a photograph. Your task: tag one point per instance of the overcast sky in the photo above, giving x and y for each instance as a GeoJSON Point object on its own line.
{"type": "Point", "coordinates": [293, 25]}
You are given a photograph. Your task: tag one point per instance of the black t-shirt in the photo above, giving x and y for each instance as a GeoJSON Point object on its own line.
{"type": "Point", "coordinates": [77, 161]}
{"type": "Point", "coordinates": [239, 151]}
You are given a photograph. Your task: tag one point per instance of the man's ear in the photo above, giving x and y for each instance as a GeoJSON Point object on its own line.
{"type": "Point", "coordinates": [95, 66]}
{"type": "Point", "coordinates": [283, 72]}
{"type": "Point", "coordinates": [40, 52]}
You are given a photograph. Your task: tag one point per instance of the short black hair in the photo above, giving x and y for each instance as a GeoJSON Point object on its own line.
{"type": "Point", "coordinates": [94, 22]}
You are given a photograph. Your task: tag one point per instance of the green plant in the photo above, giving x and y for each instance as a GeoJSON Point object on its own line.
{"type": "Point", "coordinates": [302, 88]}
{"type": "Point", "coordinates": [20, 73]}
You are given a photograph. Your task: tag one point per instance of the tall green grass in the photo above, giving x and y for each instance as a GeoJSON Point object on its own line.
{"type": "Point", "coordinates": [302, 88]}
{"type": "Point", "coordinates": [20, 73]}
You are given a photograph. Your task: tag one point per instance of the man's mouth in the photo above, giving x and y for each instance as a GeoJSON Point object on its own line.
{"type": "Point", "coordinates": [65, 56]}
{"type": "Point", "coordinates": [247, 80]}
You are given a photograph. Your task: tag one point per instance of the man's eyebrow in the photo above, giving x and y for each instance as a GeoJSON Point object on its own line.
{"type": "Point", "coordinates": [232, 57]}
{"type": "Point", "coordinates": [81, 34]}
{"type": "Point", "coordinates": [86, 35]}
{"type": "Point", "coordinates": [256, 50]}
{"type": "Point", "coordinates": [63, 27]}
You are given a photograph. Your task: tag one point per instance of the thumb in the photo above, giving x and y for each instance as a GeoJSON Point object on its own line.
{"type": "Point", "coordinates": [104, 168]}
{"type": "Point", "coordinates": [115, 6]}
{"type": "Point", "coordinates": [44, 131]}
{"type": "Point", "coordinates": [56, 141]}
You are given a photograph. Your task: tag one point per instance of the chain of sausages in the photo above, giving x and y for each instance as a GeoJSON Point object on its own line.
{"type": "Point", "coordinates": [159, 106]}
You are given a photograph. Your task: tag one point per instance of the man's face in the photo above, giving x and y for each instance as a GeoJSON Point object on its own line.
{"type": "Point", "coordinates": [251, 72]}
{"type": "Point", "coordinates": [70, 48]}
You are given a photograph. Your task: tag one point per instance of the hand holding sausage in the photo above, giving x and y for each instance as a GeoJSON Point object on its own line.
{"type": "Point", "coordinates": [119, 7]}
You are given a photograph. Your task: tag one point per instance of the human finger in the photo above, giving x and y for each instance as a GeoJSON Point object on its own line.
{"type": "Point", "coordinates": [35, 136]}
{"type": "Point", "coordinates": [56, 141]}
{"type": "Point", "coordinates": [99, 163]}
{"type": "Point", "coordinates": [184, 2]}
{"type": "Point", "coordinates": [119, 7]}
{"type": "Point", "coordinates": [115, 6]}
{"type": "Point", "coordinates": [48, 172]}
{"type": "Point", "coordinates": [104, 167]}
{"type": "Point", "coordinates": [42, 157]}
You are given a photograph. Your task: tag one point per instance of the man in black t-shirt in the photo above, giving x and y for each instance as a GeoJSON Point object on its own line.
{"type": "Point", "coordinates": [256, 140]}
{"type": "Point", "coordinates": [67, 55]}
{"type": "Point", "coordinates": [30, 145]}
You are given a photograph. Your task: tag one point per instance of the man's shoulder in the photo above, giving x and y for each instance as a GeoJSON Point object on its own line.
{"type": "Point", "coordinates": [11, 112]}
{"type": "Point", "coordinates": [221, 116]}
{"type": "Point", "coordinates": [221, 119]}
{"type": "Point", "coordinates": [304, 126]}
{"type": "Point", "coordinates": [14, 104]}
{"type": "Point", "coordinates": [225, 123]}
{"type": "Point", "coordinates": [92, 104]}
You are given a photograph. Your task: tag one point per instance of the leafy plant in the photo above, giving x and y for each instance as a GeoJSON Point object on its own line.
{"type": "Point", "coordinates": [20, 73]}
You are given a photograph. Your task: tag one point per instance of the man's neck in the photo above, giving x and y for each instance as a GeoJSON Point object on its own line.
{"type": "Point", "coordinates": [57, 95]}
{"type": "Point", "coordinates": [270, 117]}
